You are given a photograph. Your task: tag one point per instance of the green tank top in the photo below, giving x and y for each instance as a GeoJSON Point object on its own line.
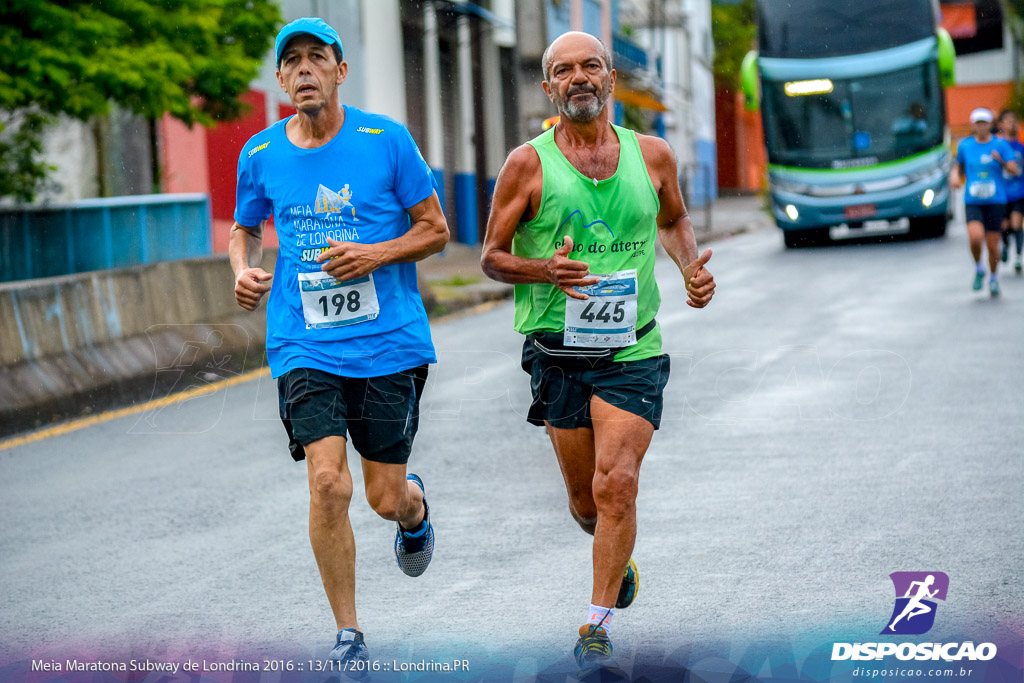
{"type": "Point", "coordinates": [613, 225]}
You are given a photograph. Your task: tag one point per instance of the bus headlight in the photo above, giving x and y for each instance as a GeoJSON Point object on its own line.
{"type": "Point", "coordinates": [928, 198]}
{"type": "Point", "coordinates": [792, 212]}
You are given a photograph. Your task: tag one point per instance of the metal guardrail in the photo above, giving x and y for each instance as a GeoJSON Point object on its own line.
{"type": "Point", "coordinates": [96, 234]}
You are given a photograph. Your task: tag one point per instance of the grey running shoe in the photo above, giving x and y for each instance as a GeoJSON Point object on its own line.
{"type": "Point", "coordinates": [993, 287]}
{"type": "Point", "coordinates": [413, 551]}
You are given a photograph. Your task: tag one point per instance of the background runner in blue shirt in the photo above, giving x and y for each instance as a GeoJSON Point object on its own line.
{"type": "Point", "coordinates": [1009, 130]}
{"type": "Point", "coordinates": [982, 159]}
{"type": "Point", "coordinates": [347, 337]}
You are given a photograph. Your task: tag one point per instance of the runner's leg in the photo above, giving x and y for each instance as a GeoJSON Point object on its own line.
{"type": "Point", "coordinates": [391, 495]}
{"type": "Point", "coordinates": [1017, 226]}
{"type": "Point", "coordinates": [574, 449]}
{"type": "Point", "coordinates": [976, 236]}
{"type": "Point", "coordinates": [330, 530]}
{"type": "Point", "coordinates": [918, 610]}
{"type": "Point", "coordinates": [992, 240]}
{"type": "Point", "coordinates": [621, 440]}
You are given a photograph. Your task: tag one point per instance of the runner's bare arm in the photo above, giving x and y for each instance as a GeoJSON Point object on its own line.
{"type": "Point", "coordinates": [516, 199]}
{"type": "Point", "coordinates": [427, 235]}
{"type": "Point", "coordinates": [245, 251]}
{"type": "Point", "coordinates": [674, 228]}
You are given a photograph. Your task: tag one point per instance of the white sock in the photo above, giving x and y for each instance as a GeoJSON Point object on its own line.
{"type": "Point", "coordinates": [601, 615]}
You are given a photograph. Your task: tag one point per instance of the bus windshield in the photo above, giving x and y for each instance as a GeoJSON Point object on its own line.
{"type": "Point", "coordinates": [862, 121]}
{"type": "Point", "coordinates": [812, 29]}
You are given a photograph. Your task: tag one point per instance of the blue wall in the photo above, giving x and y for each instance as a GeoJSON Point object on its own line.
{"type": "Point", "coordinates": [559, 18]}
{"type": "Point", "coordinates": [705, 176]}
{"type": "Point", "coordinates": [97, 234]}
{"type": "Point", "coordinates": [466, 228]}
{"type": "Point", "coordinates": [439, 181]}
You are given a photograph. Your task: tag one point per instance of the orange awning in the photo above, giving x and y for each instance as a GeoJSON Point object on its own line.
{"type": "Point", "coordinates": [639, 98]}
{"type": "Point", "coordinates": [960, 19]}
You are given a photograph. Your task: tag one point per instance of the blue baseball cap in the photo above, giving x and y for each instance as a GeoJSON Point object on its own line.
{"type": "Point", "coordinates": [314, 26]}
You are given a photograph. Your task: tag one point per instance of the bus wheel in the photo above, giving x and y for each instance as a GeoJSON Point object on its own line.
{"type": "Point", "coordinates": [795, 239]}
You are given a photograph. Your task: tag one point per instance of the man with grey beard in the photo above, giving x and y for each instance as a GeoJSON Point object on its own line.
{"type": "Point", "coordinates": [572, 226]}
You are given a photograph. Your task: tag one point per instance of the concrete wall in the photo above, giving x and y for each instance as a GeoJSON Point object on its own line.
{"type": "Point", "coordinates": [76, 344]}
{"type": "Point", "coordinates": [80, 344]}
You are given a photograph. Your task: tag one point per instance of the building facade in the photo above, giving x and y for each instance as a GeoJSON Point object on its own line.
{"type": "Point", "coordinates": [465, 77]}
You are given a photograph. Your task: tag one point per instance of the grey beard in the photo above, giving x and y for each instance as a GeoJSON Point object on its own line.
{"type": "Point", "coordinates": [586, 113]}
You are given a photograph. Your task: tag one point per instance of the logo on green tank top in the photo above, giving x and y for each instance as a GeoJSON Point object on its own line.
{"type": "Point", "coordinates": [579, 213]}
{"type": "Point", "coordinates": [582, 246]}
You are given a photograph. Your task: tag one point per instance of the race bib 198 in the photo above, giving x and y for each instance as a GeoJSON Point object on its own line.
{"type": "Point", "coordinates": [329, 303]}
{"type": "Point", "coordinates": [608, 317]}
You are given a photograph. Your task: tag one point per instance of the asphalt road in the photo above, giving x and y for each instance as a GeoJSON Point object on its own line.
{"type": "Point", "coordinates": [836, 414]}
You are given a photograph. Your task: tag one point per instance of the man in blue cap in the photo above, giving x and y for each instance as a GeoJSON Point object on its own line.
{"type": "Point", "coordinates": [354, 207]}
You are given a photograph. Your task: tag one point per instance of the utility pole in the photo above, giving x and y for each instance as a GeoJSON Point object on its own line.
{"type": "Point", "coordinates": [479, 125]}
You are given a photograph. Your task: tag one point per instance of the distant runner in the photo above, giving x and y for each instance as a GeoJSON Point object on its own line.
{"type": "Point", "coordinates": [573, 225]}
{"type": "Point", "coordinates": [1009, 131]}
{"type": "Point", "coordinates": [982, 160]}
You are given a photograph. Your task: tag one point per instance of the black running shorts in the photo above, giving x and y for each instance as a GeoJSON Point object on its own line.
{"type": "Point", "coordinates": [1016, 206]}
{"type": "Point", "coordinates": [379, 415]}
{"type": "Point", "coordinates": [989, 215]}
{"type": "Point", "coordinates": [561, 397]}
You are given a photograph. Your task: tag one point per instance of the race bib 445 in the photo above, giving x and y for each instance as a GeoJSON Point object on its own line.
{"type": "Point", "coordinates": [608, 317]}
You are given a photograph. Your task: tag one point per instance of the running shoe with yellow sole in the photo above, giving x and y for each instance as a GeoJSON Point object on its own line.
{"type": "Point", "coordinates": [629, 587]}
{"type": "Point", "coordinates": [593, 649]}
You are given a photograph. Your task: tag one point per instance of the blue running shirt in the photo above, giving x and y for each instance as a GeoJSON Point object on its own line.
{"type": "Point", "coordinates": [1015, 183]}
{"type": "Point", "coordinates": [984, 182]}
{"type": "Point", "coordinates": [356, 188]}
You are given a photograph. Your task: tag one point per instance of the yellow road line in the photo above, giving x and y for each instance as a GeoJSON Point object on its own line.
{"type": "Point", "coordinates": [84, 422]}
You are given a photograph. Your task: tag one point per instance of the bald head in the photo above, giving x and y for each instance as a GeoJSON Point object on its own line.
{"type": "Point", "coordinates": [572, 44]}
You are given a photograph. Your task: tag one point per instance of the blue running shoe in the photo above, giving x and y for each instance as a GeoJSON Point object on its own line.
{"type": "Point", "coordinates": [979, 280]}
{"type": "Point", "coordinates": [413, 551]}
{"type": "Point", "coordinates": [349, 657]}
{"type": "Point", "coordinates": [993, 287]}
{"type": "Point", "coordinates": [629, 587]}
{"type": "Point", "coordinates": [593, 649]}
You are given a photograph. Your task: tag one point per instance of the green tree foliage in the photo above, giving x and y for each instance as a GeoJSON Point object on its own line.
{"type": "Point", "coordinates": [21, 171]}
{"type": "Point", "coordinates": [733, 30]}
{"type": "Point", "coordinates": [1015, 20]}
{"type": "Point", "coordinates": [191, 58]}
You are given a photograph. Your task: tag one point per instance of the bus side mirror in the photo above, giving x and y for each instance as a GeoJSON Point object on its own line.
{"type": "Point", "coordinates": [947, 59]}
{"type": "Point", "coordinates": [748, 79]}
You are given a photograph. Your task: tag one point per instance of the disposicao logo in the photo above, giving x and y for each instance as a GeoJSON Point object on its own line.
{"type": "Point", "coordinates": [914, 614]}
{"type": "Point", "coordinates": [916, 593]}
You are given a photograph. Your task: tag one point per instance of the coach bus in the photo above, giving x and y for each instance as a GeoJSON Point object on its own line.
{"type": "Point", "coordinates": [851, 94]}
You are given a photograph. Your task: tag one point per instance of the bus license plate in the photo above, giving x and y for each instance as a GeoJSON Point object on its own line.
{"type": "Point", "coordinates": [860, 211]}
